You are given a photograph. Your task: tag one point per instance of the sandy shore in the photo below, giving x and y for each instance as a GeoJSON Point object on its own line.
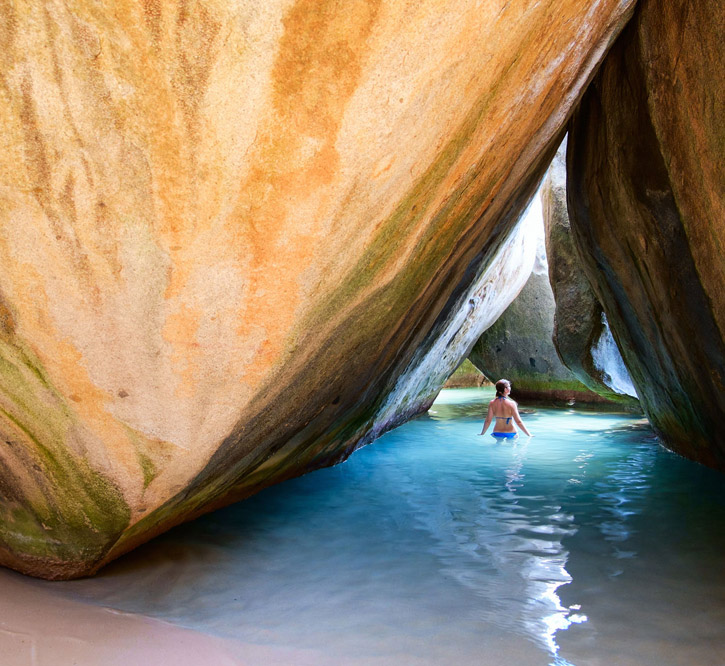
{"type": "Point", "coordinates": [40, 628]}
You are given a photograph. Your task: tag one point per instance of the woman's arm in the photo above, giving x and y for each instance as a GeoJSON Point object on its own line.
{"type": "Point", "coordinates": [519, 422]}
{"type": "Point", "coordinates": [489, 418]}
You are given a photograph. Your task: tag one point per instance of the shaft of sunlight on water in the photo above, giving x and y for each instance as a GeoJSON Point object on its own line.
{"type": "Point", "coordinates": [587, 544]}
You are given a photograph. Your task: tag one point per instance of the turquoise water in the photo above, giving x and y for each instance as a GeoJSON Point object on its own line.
{"type": "Point", "coordinates": [587, 544]}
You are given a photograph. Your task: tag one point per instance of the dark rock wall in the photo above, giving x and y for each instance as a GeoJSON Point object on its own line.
{"type": "Point", "coordinates": [578, 323]}
{"type": "Point", "coordinates": [646, 197]}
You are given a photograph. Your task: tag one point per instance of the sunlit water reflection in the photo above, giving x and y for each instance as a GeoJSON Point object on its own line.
{"type": "Point", "coordinates": [588, 544]}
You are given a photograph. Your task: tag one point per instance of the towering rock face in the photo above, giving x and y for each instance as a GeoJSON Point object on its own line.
{"type": "Point", "coordinates": [647, 202]}
{"type": "Point", "coordinates": [581, 335]}
{"type": "Point", "coordinates": [226, 228]}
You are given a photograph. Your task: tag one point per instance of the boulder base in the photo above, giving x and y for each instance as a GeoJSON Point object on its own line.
{"type": "Point", "coordinates": [647, 206]}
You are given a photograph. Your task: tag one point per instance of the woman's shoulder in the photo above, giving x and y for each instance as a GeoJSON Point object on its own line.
{"type": "Point", "coordinates": [505, 401]}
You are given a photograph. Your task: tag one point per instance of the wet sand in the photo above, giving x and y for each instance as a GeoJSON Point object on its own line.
{"type": "Point", "coordinates": [40, 628]}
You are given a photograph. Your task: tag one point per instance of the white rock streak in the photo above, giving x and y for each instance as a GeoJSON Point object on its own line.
{"type": "Point", "coordinates": [609, 361]}
{"type": "Point", "coordinates": [491, 293]}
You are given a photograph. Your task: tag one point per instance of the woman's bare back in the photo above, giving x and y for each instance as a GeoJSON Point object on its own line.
{"type": "Point", "coordinates": [504, 411]}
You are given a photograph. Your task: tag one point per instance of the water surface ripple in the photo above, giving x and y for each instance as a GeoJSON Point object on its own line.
{"type": "Point", "coordinates": [588, 544]}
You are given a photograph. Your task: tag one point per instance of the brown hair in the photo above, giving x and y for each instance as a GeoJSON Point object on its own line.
{"type": "Point", "coordinates": [501, 386]}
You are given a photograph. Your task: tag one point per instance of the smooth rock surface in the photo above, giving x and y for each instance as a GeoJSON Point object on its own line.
{"type": "Point", "coordinates": [227, 227]}
{"type": "Point", "coordinates": [581, 335]}
{"type": "Point", "coordinates": [647, 207]}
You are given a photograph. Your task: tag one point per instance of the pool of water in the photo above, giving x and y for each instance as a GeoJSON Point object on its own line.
{"type": "Point", "coordinates": [587, 544]}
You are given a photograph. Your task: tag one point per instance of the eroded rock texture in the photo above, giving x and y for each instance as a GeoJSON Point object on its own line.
{"type": "Point", "coordinates": [647, 198]}
{"type": "Point", "coordinates": [226, 228]}
{"type": "Point", "coordinates": [581, 335]}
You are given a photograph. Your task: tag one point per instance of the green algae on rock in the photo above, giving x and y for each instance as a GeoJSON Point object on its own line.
{"type": "Point", "coordinates": [647, 206]}
{"type": "Point", "coordinates": [465, 375]}
{"type": "Point", "coordinates": [57, 513]}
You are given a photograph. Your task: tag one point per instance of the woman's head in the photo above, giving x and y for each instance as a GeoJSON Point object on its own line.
{"type": "Point", "coordinates": [501, 386]}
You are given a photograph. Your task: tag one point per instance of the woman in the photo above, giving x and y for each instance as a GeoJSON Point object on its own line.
{"type": "Point", "coordinates": [504, 410]}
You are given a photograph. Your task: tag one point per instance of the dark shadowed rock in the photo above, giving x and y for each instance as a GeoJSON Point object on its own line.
{"type": "Point", "coordinates": [581, 336]}
{"type": "Point", "coordinates": [647, 207]}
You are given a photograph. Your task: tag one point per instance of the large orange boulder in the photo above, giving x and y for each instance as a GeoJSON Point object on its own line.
{"type": "Point", "coordinates": [227, 227]}
{"type": "Point", "coordinates": [647, 207]}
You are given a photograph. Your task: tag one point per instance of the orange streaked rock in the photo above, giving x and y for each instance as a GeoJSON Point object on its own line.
{"type": "Point", "coordinates": [226, 227]}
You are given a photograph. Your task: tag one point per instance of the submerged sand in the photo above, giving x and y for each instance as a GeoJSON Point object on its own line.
{"type": "Point", "coordinates": [39, 627]}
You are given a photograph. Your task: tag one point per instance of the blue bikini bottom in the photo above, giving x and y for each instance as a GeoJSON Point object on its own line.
{"type": "Point", "coordinates": [504, 435]}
